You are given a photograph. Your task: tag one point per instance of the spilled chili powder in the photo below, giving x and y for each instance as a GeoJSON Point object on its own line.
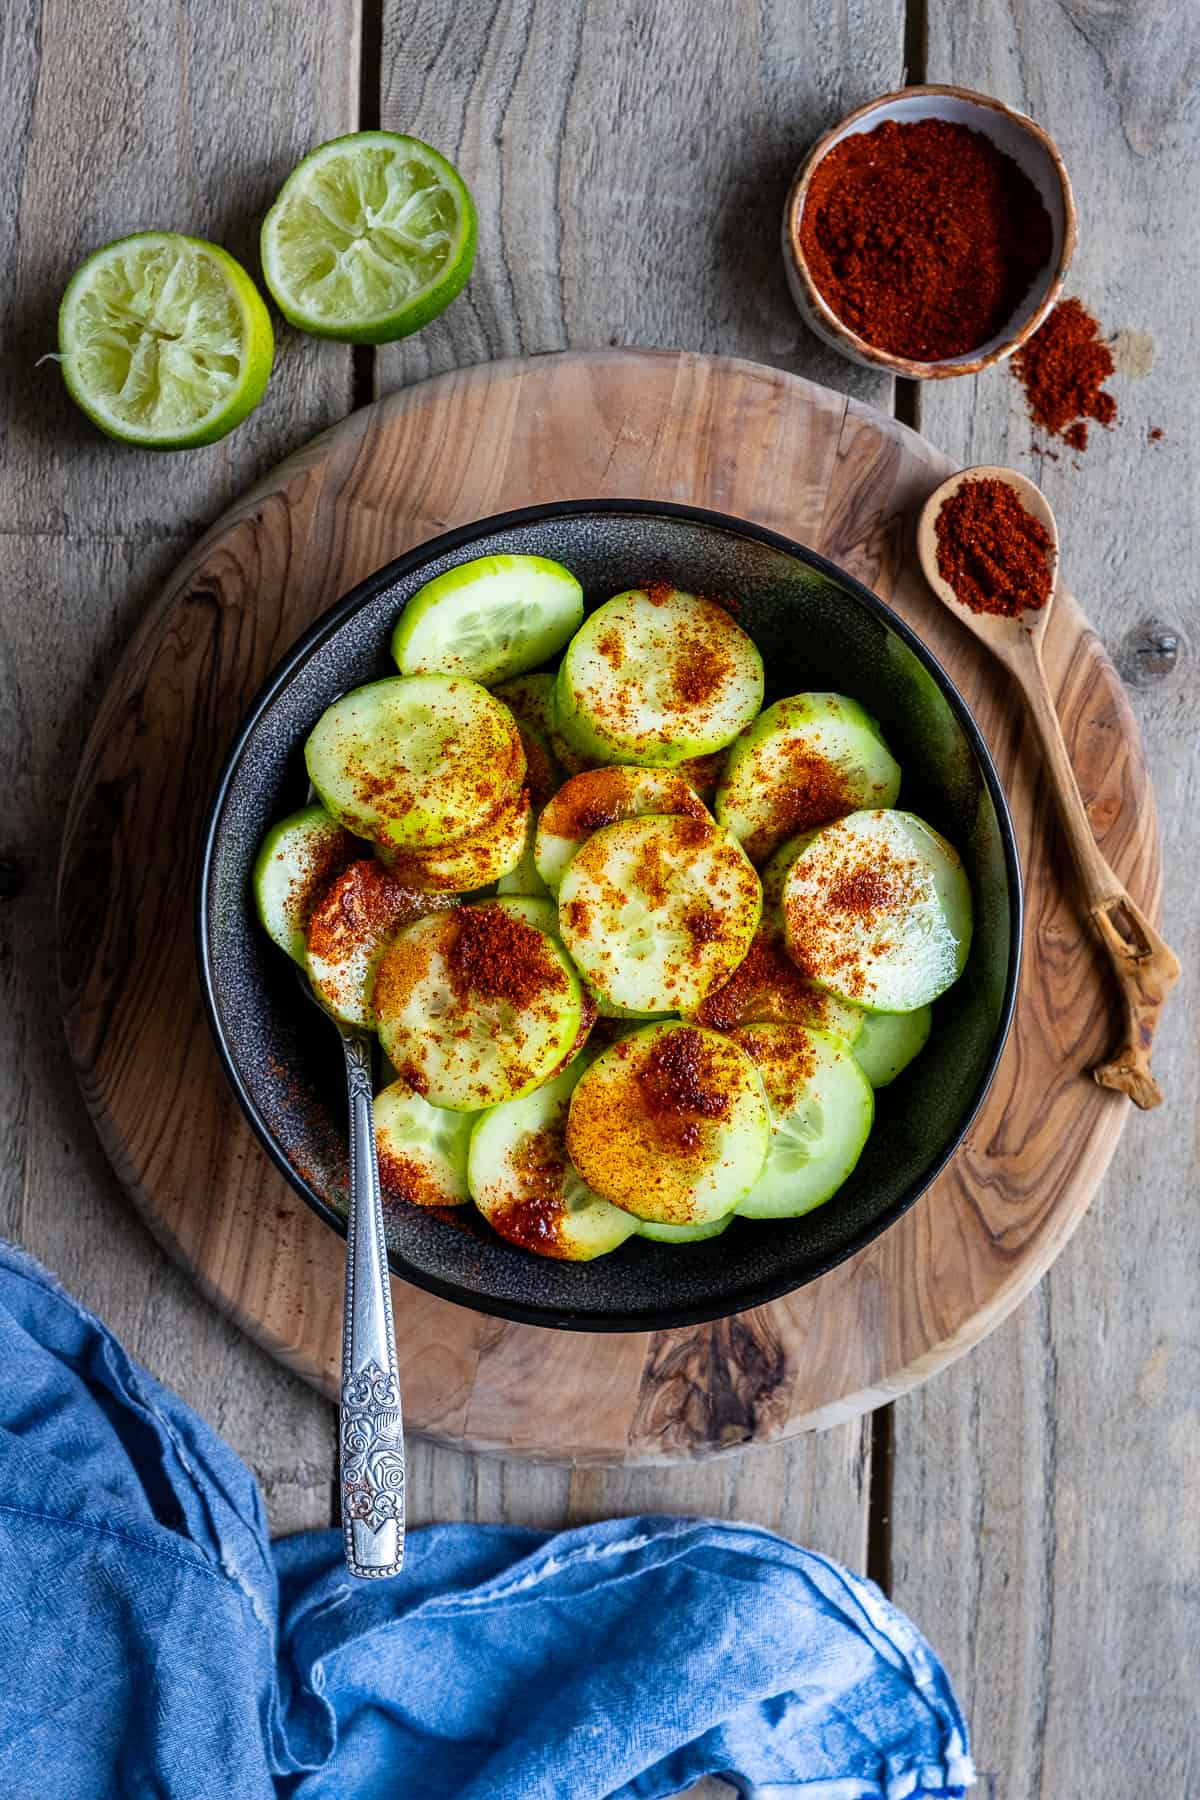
{"type": "Point", "coordinates": [994, 554]}
{"type": "Point", "coordinates": [923, 237]}
{"type": "Point", "coordinates": [1063, 369]}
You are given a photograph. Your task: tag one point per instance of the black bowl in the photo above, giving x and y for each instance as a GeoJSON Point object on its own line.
{"type": "Point", "coordinates": [817, 628]}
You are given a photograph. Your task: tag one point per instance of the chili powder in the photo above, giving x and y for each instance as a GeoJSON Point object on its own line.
{"type": "Point", "coordinates": [1063, 369]}
{"type": "Point", "coordinates": [993, 553]}
{"type": "Point", "coordinates": [923, 237]}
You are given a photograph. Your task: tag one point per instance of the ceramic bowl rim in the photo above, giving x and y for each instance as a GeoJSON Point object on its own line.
{"type": "Point", "coordinates": [327, 625]}
{"type": "Point", "coordinates": [859, 349]}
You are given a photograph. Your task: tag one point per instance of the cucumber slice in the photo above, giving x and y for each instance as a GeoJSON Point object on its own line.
{"type": "Point", "coordinates": [767, 986]}
{"type": "Point", "coordinates": [349, 930]}
{"type": "Point", "coordinates": [599, 797]}
{"type": "Point", "coordinates": [422, 1149]}
{"type": "Point", "coordinates": [472, 862]}
{"type": "Point", "coordinates": [888, 1042]}
{"type": "Point", "coordinates": [525, 1185]}
{"type": "Point", "coordinates": [417, 761]}
{"type": "Point", "coordinates": [658, 911]}
{"type": "Point", "coordinates": [537, 910]}
{"type": "Point", "coordinates": [299, 858]}
{"type": "Point", "coordinates": [524, 880]}
{"type": "Point", "coordinates": [541, 912]}
{"type": "Point", "coordinates": [670, 1123]}
{"type": "Point", "coordinates": [877, 909]}
{"type": "Point", "coordinates": [804, 761]}
{"type": "Point", "coordinates": [656, 676]}
{"type": "Point", "coordinates": [774, 871]}
{"type": "Point", "coordinates": [682, 1234]}
{"type": "Point", "coordinates": [704, 773]}
{"type": "Point", "coordinates": [544, 776]}
{"type": "Point", "coordinates": [530, 700]}
{"type": "Point", "coordinates": [489, 619]}
{"type": "Point", "coordinates": [822, 1110]}
{"type": "Point", "coordinates": [476, 1006]}
{"type": "Point", "coordinates": [607, 1009]}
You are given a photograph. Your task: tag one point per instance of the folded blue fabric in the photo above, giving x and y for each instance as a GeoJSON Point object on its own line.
{"type": "Point", "coordinates": [155, 1643]}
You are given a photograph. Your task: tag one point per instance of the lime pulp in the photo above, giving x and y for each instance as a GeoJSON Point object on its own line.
{"type": "Point", "coordinates": [164, 340]}
{"type": "Point", "coordinates": [371, 237]}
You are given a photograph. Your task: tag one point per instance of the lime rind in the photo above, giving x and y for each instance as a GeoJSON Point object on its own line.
{"type": "Point", "coordinates": [371, 237]}
{"type": "Point", "coordinates": [165, 341]}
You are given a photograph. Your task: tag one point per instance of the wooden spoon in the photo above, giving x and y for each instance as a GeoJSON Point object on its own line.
{"type": "Point", "coordinates": [1145, 967]}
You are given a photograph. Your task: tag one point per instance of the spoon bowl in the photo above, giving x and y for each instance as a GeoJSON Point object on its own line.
{"type": "Point", "coordinates": [1005, 637]}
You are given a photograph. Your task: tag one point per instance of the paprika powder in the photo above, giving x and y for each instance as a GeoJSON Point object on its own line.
{"type": "Point", "coordinates": [923, 237]}
{"type": "Point", "coordinates": [1063, 369]}
{"type": "Point", "coordinates": [992, 552]}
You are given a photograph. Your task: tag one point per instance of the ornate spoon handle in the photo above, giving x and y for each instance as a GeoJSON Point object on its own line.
{"type": "Point", "coordinates": [371, 1428]}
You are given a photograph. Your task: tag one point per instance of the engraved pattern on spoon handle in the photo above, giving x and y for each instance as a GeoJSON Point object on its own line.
{"type": "Point", "coordinates": [371, 1429]}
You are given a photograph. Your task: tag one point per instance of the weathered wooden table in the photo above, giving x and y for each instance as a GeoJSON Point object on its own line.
{"type": "Point", "coordinates": [1036, 1507]}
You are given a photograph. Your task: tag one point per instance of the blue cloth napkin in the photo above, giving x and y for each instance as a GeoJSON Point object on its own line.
{"type": "Point", "coordinates": [154, 1642]}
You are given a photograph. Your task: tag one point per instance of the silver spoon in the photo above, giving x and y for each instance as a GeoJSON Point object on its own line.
{"type": "Point", "coordinates": [370, 1425]}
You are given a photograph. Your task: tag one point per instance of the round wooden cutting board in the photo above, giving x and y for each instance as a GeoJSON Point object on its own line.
{"type": "Point", "coordinates": [742, 439]}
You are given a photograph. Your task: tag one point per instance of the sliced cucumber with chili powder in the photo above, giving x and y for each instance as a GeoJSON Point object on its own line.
{"type": "Point", "coordinates": [804, 761]}
{"type": "Point", "coordinates": [417, 761]}
{"type": "Point", "coordinates": [598, 797]}
{"type": "Point", "coordinates": [299, 858]}
{"type": "Point", "coordinates": [658, 911]}
{"type": "Point", "coordinates": [670, 1123]}
{"type": "Point", "coordinates": [472, 862]}
{"type": "Point", "coordinates": [774, 871]}
{"type": "Point", "coordinates": [683, 1234]}
{"type": "Point", "coordinates": [877, 909]}
{"type": "Point", "coordinates": [767, 987]}
{"type": "Point", "coordinates": [530, 700]}
{"type": "Point", "coordinates": [350, 928]}
{"type": "Point", "coordinates": [888, 1042]}
{"type": "Point", "coordinates": [422, 1148]}
{"type": "Point", "coordinates": [822, 1110]}
{"type": "Point", "coordinates": [543, 779]}
{"type": "Point", "coordinates": [492, 618]}
{"type": "Point", "coordinates": [477, 1006]}
{"type": "Point", "coordinates": [526, 1186]}
{"type": "Point", "coordinates": [656, 676]}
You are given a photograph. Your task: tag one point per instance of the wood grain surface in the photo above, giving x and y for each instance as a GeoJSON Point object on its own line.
{"type": "Point", "coordinates": [1045, 1503]}
{"type": "Point", "coordinates": [1036, 1507]}
{"type": "Point", "coordinates": [742, 439]}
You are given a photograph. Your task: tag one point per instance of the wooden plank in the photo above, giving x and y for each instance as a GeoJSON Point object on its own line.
{"type": "Point", "coordinates": [630, 169]}
{"type": "Point", "coordinates": [1044, 1507]}
{"type": "Point", "coordinates": [630, 165]}
{"type": "Point", "coordinates": [218, 104]}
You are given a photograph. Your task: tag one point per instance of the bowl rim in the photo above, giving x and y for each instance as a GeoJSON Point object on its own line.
{"type": "Point", "coordinates": [327, 625]}
{"type": "Point", "coordinates": [859, 348]}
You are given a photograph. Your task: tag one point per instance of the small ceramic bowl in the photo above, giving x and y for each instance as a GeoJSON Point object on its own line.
{"type": "Point", "coordinates": [1031, 148]}
{"type": "Point", "coordinates": [817, 627]}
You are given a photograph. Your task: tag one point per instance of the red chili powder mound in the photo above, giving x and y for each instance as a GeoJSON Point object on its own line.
{"type": "Point", "coordinates": [1063, 369]}
{"type": "Point", "coordinates": [993, 553]}
{"type": "Point", "coordinates": [495, 954]}
{"type": "Point", "coordinates": [679, 1076]}
{"type": "Point", "coordinates": [923, 237]}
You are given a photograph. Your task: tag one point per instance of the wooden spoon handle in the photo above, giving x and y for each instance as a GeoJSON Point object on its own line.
{"type": "Point", "coordinates": [1145, 967]}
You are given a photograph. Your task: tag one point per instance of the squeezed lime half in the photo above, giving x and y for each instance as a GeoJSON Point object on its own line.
{"type": "Point", "coordinates": [371, 237]}
{"type": "Point", "coordinates": [164, 340]}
